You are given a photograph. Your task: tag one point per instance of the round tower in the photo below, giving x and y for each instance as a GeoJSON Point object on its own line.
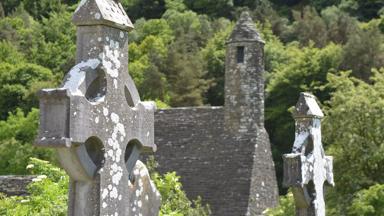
{"type": "Point", "coordinates": [244, 79]}
{"type": "Point", "coordinates": [244, 112]}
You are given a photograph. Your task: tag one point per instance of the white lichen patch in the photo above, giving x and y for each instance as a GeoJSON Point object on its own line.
{"type": "Point", "coordinates": [115, 83]}
{"type": "Point", "coordinates": [105, 193]}
{"type": "Point", "coordinates": [114, 154]}
{"type": "Point", "coordinates": [113, 194]}
{"type": "Point", "coordinates": [115, 118]}
{"type": "Point", "coordinates": [110, 58]}
{"type": "Point", "coordinates": [117, 174]}
{"type": "Point", "coordinates": [77, 76]}
{"type": "Point", "coordinates": [97, 16]}
{"type": "Point", "coordinates": [105, 111]}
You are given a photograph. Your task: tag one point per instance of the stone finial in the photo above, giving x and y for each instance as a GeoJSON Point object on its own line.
{"type": "Point", "coordinates": [307, 167]}
{"type": "Point", "coordinates": [97, 122]}
{"type": "Point", "coordinates": [245, 30]}
{"type": "Point", "coordinates": [307, 107]}
{"type": "Point", "coordinates": [102, 12]}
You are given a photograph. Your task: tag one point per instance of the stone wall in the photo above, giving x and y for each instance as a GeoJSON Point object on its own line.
{"type": "Point", "coordinates": [15, 185]}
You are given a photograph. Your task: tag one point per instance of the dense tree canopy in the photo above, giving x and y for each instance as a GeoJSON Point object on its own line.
{"type": "Point", "coordinates": [177, 58]}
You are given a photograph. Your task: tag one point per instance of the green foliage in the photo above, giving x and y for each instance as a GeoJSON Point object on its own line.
{"type": "Point", "coordinates": [214, 65]}
{"type": "Point", "coordinates": [340, 25]}
{"type": "Point", "coordinates": [214, 8]}
{"type": "Point", "coordinates": [48, 193]}
{"type": "Point", "coordinates": [177, 58]}
{"type": "Point", "coordinates": [364, 50]}
{"type": "Point", "coordinates": [368, 202]}
{"type": "Point", "coordinates": [154, 27]}
{"type": "Point", "coordinates": [42, 8]}
{"type": "Point", "coordinates": [165, 59]}
{"type": "Point", "coordinates": [20, 126]}
{"type": "Point", "coordinates": [309, 26]}
{"type": "Point", "coordinates": [150, 9]}
{"type": "Point", "coordinates": [57, 47]}
{"type": "Point", "coordinates": [364, 10]}
{"type": "Point", "coordinates": [161, 105]}
{"type": "Point", "coordinates": [185, 77]}
{"type": "Point", "coordinates": [49, 43]}
{"type": "Point", "coordinates": [286, 207]}
{"type": "Point", "coordinates": [177, 5]}
{"type": "Point", "coordinates": [16, 137]}
{"type": "Point", "coordinates": [19, 84]}
{"type": "Point", "coordinates": [9, 53]}
{"type": "Point", "coordinates": [147, 61]}
{"type": "Point", "coordinates": [352, 130]}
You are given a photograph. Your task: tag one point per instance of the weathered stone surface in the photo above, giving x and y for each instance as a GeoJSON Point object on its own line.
{"type": "Point", "coordinates": [146, 198]}
{"type": "Point", "coordinates": [96, 120]}
{"type": "Point", "coordinates": [307, 167]}
{"type": "Point", "coordinates": [245, 30]}
{"type": "Point", "coordinates": [15, 185]}
{"type": "Point", "coordinates": [102, 12]}
{"type": "Point", "coordinates": [223, 153]}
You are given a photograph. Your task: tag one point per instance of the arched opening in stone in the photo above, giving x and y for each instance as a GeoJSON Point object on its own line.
{"type": "Point", "coordinates": [128, 97]}
{"type": "Point", "coordinates": [240, 54]}
{"type": "Point", "coordinates": [131, 155]}
{"type": "Point", "coordinates": [308, 148]}
{"type": "Point", "coordinates": [311, 189]}
{"type": "Point", "coordinates": [96, 85]}
{"type": "Point", "coordinates": [95, 150]}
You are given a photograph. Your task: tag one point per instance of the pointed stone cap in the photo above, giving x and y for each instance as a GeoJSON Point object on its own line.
{"type": "Point", "coordinates": [245, 30]}
{"type": "Point", "coordinates": [102, 12]}
{"type": "Point", "coordinates": [307, 107]}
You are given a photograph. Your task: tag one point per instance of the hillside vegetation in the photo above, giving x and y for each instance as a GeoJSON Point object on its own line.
{"type": "Point", "coordinates": [332, 48]}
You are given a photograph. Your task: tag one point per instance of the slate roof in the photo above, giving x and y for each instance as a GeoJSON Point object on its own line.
{"type": "Point", "coordinates": [213, 163]}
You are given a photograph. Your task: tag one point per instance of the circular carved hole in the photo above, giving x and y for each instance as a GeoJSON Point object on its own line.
{"type": "Point", "coordinates": [128, 97]}
{"type": "Point", "coordinates": [131, 155]}
{"type": "Point", "coordinates": [96, 85]}
{"type": "Point", "coordinates": [308, 146]}
{"type": "Point", "coordinates": [311, 189]}
{"type": "Point", "coordinates": [95, 150]}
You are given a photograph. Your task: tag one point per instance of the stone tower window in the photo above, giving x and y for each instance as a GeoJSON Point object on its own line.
{"type": "Point", "coordinates": [240, 54]}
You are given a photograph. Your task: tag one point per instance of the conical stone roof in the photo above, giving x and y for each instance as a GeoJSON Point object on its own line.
{"type": "Point", "coordinates": [307, 107]}
{"type": "Point", "coordinates": [245, 30]}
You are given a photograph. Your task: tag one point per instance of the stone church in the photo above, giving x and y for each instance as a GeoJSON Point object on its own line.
{"type": "Point", "coordinates": [223, 154]}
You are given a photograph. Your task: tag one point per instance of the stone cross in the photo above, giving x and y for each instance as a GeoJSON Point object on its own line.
{"type": "Point", "coordinates": [307, 168]}
{"type": "Point", "coordinates": [97, 122]}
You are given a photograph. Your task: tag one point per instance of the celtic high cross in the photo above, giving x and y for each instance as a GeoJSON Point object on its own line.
{"type": "Point", "coordinates": [97, 122]}
{"type": "Point", "coordinates": [307, 167]}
